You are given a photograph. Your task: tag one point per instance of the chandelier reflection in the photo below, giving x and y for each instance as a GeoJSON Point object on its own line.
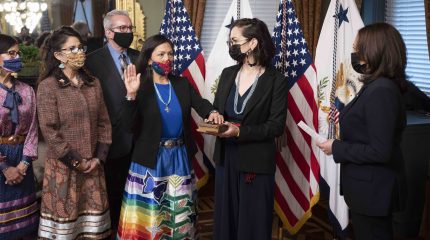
{"type": "Point", "coordinates": [23, 13]}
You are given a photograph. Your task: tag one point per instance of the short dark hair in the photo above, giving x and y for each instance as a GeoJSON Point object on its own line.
{"type": "Point", "coordinates": [145, 53]}
{"type": "Point", "coordinates": [7, 42]}
{"type": "Point", "coordinates": [381, 46]}
{"type": "Point", "coordinates": [255, 28]}
{"type": "Point", "coordinates": [50, 63]}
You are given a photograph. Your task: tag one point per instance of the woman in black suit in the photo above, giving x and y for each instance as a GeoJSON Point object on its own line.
{"type": "Point", "coordinates": [160, 192]}
{"type": "Point", "coordinates": [371, 126]}
{"type": "Point", "coordinates": [252, 96]}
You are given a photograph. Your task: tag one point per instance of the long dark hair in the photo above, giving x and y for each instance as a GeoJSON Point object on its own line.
{"type": "Point", "coordinates": [381, 46]}
{"type": "Point", "coordinates": [255, 28]}
{"type": "Point", "coordinates": [50, 64]}
{"type": "Point", "coordinates": [145, 54]}
{"type": "Point", "coordinates": [7, 42]}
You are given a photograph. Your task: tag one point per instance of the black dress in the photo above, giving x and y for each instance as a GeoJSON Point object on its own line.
{"type": "Point", "coordinates": [237, 193]}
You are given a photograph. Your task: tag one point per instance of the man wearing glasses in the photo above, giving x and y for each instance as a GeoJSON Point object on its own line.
{"type": "Point", "coordinates": [108, 64]}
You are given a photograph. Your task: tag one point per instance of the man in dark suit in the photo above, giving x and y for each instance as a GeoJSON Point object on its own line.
{"type": "Point", "coordinates": [108, 64]}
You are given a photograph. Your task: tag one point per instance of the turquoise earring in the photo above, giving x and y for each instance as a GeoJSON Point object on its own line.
{"type": "Point", "coordinates": [61, 65]}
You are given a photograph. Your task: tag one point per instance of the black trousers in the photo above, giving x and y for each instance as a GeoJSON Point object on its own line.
{"type": "Point", "coordinates": [243, 202]}
{"type": "Point", "coordinates": [116, 170]}
{"type": "Point", "coordinates": [371, 227]}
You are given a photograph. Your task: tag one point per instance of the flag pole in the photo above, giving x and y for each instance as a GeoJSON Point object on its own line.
{"type": "Point", "coordinates": [238, 9]}
{"type": "Point", "coordinates": [332, 124]}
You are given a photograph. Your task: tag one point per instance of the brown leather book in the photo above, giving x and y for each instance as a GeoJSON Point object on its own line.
{"type": "Point", "coordinates": [211, 128]}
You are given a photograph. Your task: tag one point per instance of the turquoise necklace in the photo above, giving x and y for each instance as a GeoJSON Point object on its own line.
{"type": "Point", "coordinates": [166, 104]}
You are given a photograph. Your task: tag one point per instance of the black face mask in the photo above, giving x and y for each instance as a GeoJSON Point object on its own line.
{"type": "Point", "coordinates": [124, 40]}
{"type": "Point", "coordinates": [356, 65]}
{"type": "Point", "coordinates": [236, 53]}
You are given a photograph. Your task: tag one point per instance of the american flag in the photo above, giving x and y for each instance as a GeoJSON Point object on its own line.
{"type": "Point", "coordinates": [297, 174]}
{"type": "Point", "coordinates": [188, 62]}
{"type": "Point", "coordinates": [334, 115]}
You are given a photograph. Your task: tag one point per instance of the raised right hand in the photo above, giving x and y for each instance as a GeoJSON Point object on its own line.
{"type": "Point", "coordinates": [131, 80]}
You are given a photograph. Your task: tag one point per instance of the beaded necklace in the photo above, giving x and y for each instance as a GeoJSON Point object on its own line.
{"type": "Point", "coordinates": [167, 109]}
{"type": "Point", "coordinates": [236, 95]}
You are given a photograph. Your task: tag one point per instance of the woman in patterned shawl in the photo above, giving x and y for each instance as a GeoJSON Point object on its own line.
{"type": "Point", "coordinates": [75, 124]}
{"type": "Point", "coordinates": [18, 147]}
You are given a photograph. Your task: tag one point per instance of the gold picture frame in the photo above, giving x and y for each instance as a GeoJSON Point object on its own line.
{"type": "Point", "coordinates": [137, 19]}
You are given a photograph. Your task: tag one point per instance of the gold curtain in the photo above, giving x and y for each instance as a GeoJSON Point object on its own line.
{"type": "Point", "coordinates": [427, 15]}
{"type": "Point", "coordinates": [66, 12]}
{"type": "Point", "coordinates": [99, 10]}
{"type": "Point", "coordinates": [196, 10]}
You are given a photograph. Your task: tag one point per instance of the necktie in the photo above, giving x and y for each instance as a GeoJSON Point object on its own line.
{"type": "Point", "coordinates": [123, 63]}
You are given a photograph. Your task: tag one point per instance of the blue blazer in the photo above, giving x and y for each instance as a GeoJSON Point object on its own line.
{"type": "Point", "coordinates": [372, 169]}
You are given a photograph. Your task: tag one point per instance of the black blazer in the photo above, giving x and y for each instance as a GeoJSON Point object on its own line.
{"type": "Point", "coordinates": [264, 119]}
{"type": "Point", "coordinates": [145, 109]}
{"type": "Point", "coordinates": [101, 65]}
{"type": "Point", "coordinates": [372, 168]}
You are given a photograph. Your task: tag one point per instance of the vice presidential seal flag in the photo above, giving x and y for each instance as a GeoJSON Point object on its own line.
{"type": "Point", "coordinates": [297, 172]}
{"type": "Point", "coordinates": [338, 85]}
{"type": "Point", "coordinates": [189, 62]}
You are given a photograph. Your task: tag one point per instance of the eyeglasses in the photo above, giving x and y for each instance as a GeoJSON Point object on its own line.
{"type": "Point", "coordinates": [232, 42]}
{"type": "Point", "coordinates": [124, 28]}
{"type": "Point", "coordinates": [13, 53]}
{"type": "Point", "coordinates": [75, 49]}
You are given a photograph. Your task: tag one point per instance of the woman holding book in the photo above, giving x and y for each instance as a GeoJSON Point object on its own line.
{"type": "Point", "coordinates": [252, 96]}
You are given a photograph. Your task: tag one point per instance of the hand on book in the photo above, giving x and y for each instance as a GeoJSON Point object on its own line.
{"type": "Point", "coordinates": [224, 130]}
{"type": "Point", "coordinates": [215, 117]}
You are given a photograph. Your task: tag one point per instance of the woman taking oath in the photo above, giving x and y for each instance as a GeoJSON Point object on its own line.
{"type": "Point", "coordinates": [160, 193]}
{"type": "Point", "coordinates": [252, 96]}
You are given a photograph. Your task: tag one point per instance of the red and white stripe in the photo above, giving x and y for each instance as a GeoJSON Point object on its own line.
{"type": "Point", "coordinates": [297, 172]}
{"type": "Point", "coordinates": [195, 74]}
